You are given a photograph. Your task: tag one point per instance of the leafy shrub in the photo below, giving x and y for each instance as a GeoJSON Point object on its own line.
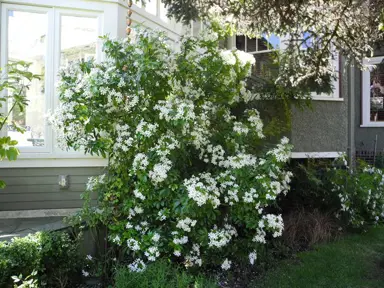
{"type": "Point", "coordinates": [355, 196]}
{"type": "Point", "coordinates": [311, 187]}
{"type": "Point", "coordinates": [190, 176]}
{"type": "Point", "coordinates": [361, 193]}
{"type": "Point", "coordinates": [160, 274]}
{"type": "Point", "coordinates": [20, 256]}
{"type": "Point", "coordinates": [60, 259]}
{"type": "Point", "coordinates": [54, 255]}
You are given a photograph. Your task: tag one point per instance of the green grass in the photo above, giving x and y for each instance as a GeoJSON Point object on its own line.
{"type": "Point", "coordinates": [160, 275]}
{"type": "Point", "coordinates": [356, 261]}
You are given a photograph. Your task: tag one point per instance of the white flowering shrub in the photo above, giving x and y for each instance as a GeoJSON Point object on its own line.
{"type": "Point", "coordinates": [361, 193]}
{"type": "Point", "coordinates": [189, 176]}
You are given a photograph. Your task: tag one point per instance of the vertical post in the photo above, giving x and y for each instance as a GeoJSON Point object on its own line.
{"type": "Point", "coordinates": [375, 151]}
{"type": "Point", "coordinates": [351, 150]}
{"type": "Point", "coordinates": [128, 29]}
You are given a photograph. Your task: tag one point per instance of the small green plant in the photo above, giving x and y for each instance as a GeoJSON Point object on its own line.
{"type": "Point", "coordinates": [28, 282]}
{"type": "Point", "coordinates": [13, 86]}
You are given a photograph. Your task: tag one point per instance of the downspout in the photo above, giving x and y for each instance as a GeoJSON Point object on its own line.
{"type": "Point", "coordinates": [128, 29]}
{"type": "Point", "coordinates": [351, 150]}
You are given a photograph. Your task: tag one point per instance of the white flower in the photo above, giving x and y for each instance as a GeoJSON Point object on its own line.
{"type": "Point", "coordinates": [252, 257]}
{"type": "Point", "coordinates": [138, 194]}
{"type": "Point", "coordinates": [152, 253]}
{"type": "Point", "coordinates": [85, 273]}
{"type": "Point", "coordinates": [89, 257]}
{"type": "Point", "coordinates": [177, 253]}
{"type": "Point", "coordinates": [116, 240]}
{"type": "Point", "coordinates": [6, 147]}
{"type": "Point", "coordinates": [156, 237]}
{"type": "Point", "coordinates": [140, 162]}
{"type": "Point", "coordinates": [226, 264]}
{"type": "Point", "coordinates": [138, 210]}
{"type": "Point", "coordinates": [133, 244]}
{"type": "Point", "coordinates": [245, 58]}
{"type": "Point", "coordinates": [182, 240]}
{"type": "Point", "coordinates": [220, 238]}
{"type": "Point", "coordinates": [228, 57]}
{"type": "Point", "coordinates": [137, 266]}
{"type": "Point", "coordinates": [161, 216]}
{"type": "Point", "coordinates": [186, 224]}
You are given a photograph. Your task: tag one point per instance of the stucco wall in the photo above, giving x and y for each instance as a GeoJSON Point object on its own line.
{"type": "Point", "coordinates": [324, 128]}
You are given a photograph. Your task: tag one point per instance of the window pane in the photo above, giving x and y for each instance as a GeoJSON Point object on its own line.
{"type": "Point", "coordinates": [264, 66]}
{"type": "Point", "coordinates": [151, 6]}
{"type": "Point", "coordinates": [163, 12]}
{"type": "Point", "coordinates": [251, 45]}
{"type": "Point", "coordinates": [27, 33]}
{"type": "Point", "coordinates": [262, 44]}
{"type": "Point", "coordinates": [240, 43]}
{"type": "Point", "coordinates": [78, 39]}
{"type": "Point", "coordinates": [274, 42]}
{"type": "Point", "coordinates": [377, 94]}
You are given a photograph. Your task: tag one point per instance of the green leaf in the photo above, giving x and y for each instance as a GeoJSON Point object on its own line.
{"type": "Point", "coordinates": [2, 184]}
{"type": "Point", "coordinates": [12, 153]}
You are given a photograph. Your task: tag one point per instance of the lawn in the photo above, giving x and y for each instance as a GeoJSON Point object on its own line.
{"type": "Point", "coordinates": [356, 261]}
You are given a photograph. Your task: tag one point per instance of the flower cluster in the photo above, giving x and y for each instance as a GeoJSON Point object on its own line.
{"type": "Point", "coordinates": [187, 169]}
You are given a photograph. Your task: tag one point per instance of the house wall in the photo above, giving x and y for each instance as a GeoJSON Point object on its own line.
{"type": "Point", "coordinates": [32, 180]}
{"type": "Point", "coordinates": [324, 127]}
{"type": "Point", "coordinates": [38, 188]}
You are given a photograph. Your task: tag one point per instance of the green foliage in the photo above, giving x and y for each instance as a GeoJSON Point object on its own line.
{"type": "Point", "coordinates": [361, 193]}
{"type": "Point", "coordinates": [356, 195]}
{"type": "Point", "coordinates": [161, 275]}
{"type": "Point", "coordinates": [54, 256]}
{"type": "Point", "coordinates": [21, 256]}
{"type": "Point", "coordinates": [13, 89]}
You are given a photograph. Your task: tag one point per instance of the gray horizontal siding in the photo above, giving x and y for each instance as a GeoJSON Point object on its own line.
{"type": "Point", "coordinates": [37, 188]}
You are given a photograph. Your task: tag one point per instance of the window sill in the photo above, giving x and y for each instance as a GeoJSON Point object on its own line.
{"type": "Point", "coordinates": [328, 99]}
{"type": "Point", "coordinates": [372, 125]}
{"type": "Point", "coordinates": [54, 162]}
{"type": "Point", "coordinates": [305, 155]}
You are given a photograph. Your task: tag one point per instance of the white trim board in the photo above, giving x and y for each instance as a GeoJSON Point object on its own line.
{"type": "Point", "coordinates": [37, 213]}
{"type": "Point", "coordinates": [54, 162]}
{"type": "Point", "coordinates": [299, 155]}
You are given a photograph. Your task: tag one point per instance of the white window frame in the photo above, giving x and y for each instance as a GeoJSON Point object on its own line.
{"type": "Point", "coordinates": [335, 96]}
{"type": "Point", "coordinates": [366, 93]}
{"type": "Point", "coordinates": [49, 155]}
{"type": "Point", "coordinates": [143, 17]}
{"type": "Point", "coordinates": [48, 87]}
